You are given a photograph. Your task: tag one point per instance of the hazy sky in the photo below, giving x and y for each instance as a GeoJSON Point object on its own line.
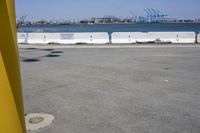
{"type": "Point", "coordinates": [77, 9]}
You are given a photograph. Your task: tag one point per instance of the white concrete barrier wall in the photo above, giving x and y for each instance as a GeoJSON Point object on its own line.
{"type": "Point", "coordinates": [198, 37]}
{"type": "Point", "coordinates": [66, 38]}
{"type": "Point", "coordinates": [87, 37]}
{"type": "Point", "coordinates": [103, 37]}
{"type": "Point", "coordinates": [122, 37]}
{"type": "Point", "coordinates": [43, 38]}
{"type": "Point", "coordinates": [183, 37]}
{"type": "Point", "coordinates": [22, 37]}
{"type": "Point", "coordinates": [146, 37]}
{"type": "Point", "coordinates": [92, 37]}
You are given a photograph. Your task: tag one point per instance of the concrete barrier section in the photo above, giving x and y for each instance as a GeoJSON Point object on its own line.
{"type": "Point", "coordinates": [22, 37]}
{"type": "Point", "coordinates": [64, 38]}
{"type": "Point", "coordinates": [167, 37]}
{"type": "Point", "coordinates": [92, 38]}
{"type": "Point", "coordinates": [84, 38]}
{"type": "Point", "coordinates": [122, 37]}
{"type": "Point", "coordinates": [182, 37]}
{"type": "Point", "coordinates": [153, 37]}
{"type": "Point", "coordinates": [43, 38]}
{"type": "Point", "coordinates": [144, 37]}
{"type": "Point", "coordinates": [198, 37]}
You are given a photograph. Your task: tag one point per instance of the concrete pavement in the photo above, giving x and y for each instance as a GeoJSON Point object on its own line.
{"type": "Point", "coordinates": [123, 90]}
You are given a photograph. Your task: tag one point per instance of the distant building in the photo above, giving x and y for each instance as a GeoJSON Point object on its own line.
{"type": "Point", "coordinates": [111, 20]}
{"type": "Point", "coordinates": [197, 21]}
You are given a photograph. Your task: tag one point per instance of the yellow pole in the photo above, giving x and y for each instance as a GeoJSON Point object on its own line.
{"type": "Point", "coordinates": [11, 102]}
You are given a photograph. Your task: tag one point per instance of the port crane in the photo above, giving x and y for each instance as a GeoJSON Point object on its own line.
{"type": "Point", "coordinates": [152, 15]}
{"type": "Point", "coordinates": [149, 16]}
{"type": "Point", "coordinates": [161, 17]}
{"type": "Point", "coordinates": [135, 17]}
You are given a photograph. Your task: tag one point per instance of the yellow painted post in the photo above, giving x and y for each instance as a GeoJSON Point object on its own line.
{"type": "Point", "coordinates": [10, 121]}
{"type": "Point", "coordinates": [11, 102]}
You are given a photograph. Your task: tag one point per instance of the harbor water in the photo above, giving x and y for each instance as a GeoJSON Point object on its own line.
{"type": "Point", "coordinates": [137, 27]}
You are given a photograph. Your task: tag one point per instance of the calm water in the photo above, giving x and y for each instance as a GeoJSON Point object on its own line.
{"type": "Point", "coordinates": [113, 28]}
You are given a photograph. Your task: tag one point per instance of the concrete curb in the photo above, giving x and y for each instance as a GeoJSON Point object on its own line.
{"type": "Point", "coordinates": [108, 46]}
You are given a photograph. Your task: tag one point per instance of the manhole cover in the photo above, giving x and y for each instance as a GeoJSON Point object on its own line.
{"type": "Point", "coordinates": [38, 120]}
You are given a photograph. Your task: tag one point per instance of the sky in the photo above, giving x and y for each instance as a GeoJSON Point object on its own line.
{"type": "Point", "coordinates": [79, 9]}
